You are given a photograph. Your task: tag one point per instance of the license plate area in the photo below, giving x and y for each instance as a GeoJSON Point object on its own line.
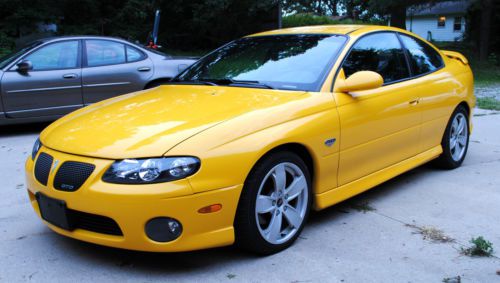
{"type": "Point", "coordinates": [54, 211]}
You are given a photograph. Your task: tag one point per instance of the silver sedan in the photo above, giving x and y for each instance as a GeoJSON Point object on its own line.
{"type": "Point", "coordinates": [52, 77]}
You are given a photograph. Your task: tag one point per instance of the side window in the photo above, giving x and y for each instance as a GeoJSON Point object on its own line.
{"type": "Point", "coordinates": [133, 54]}
{"type": "Point", "coordinates": [104, 52]}
{"type": "Point", "coordinates": [423, 58]}
{"type": "Point", "coordinates": [381, 53]}
{"type": "Point", "coordinates": [59, 55]}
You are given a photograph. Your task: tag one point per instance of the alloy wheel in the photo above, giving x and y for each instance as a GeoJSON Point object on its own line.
{"type": "Point", "coordinates": [458, 136]}
{"type": "Point", "coordinates": [281, 203]}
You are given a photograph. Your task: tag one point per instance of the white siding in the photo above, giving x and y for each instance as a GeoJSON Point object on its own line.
{"type": "Point", "coordinates": [421, 25]}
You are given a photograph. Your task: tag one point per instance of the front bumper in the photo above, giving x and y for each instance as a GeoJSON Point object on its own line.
{"type": "Point", "coordinates": [132, 206]}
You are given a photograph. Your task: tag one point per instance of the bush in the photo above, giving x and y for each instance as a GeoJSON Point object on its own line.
{"type": "Point", "coordinates": [6, 44]}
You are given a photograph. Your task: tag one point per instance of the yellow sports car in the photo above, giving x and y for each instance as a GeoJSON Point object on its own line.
{"type": "Point", "coordinates": [243, 144]}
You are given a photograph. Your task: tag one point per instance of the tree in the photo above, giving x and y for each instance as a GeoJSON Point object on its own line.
{"type": "Point", "coordinates": [484, 41]}
{"type": "Point", "coordinates": [396, 9]}
{"type": "Point", "coordinates": [318, 7]}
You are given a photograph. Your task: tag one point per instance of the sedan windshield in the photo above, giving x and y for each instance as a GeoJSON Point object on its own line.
{"type": "Point", "coordinates": [291, 62]}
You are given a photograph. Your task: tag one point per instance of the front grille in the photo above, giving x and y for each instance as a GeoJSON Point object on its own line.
{"type": "Point", "coordinates": [71, 175]}
{"type": "Point", "coordinates": [94, 223]}
{"type": "Point", "coordinates": [42, 168]}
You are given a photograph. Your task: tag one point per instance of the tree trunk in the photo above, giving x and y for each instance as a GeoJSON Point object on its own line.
{"type": "Point", "coordinates": [398, 16]}
{"type": "Point", "coordinates": [485, 30]}
{"type": "Point", "coordinates": [334, 8]}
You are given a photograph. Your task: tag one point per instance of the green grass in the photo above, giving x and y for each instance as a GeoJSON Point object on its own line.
{"type": "Point", "coordinates": [363, 206]}
{"type": "Point", "coordinates": [488, 103]}
{"type": "Point", "coordinates": [480, 247]}
{"type": "Point", "coordinates": [485, 72]}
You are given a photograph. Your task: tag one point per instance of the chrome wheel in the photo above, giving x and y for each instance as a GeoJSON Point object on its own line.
{"type": "Point", "coordinates": [281, 203]}
{"type": "Point", "coordinates": [458, 136]}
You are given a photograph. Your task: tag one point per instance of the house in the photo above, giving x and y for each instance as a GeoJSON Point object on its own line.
{"type": "Point", "coordinates": [443, 21]}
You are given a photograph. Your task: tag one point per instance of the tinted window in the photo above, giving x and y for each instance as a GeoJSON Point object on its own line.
{"type": "Point", "coordinates": [133, 54]}
{"type": "Point", "coordinates": [423, 58]}
{"type": "Point", "coordinates": [60, 55]}
{"type": "Point", "coordinates": [104, 52]}
{"type": "Point", "coordinates": [295, 62]}
{"type": "Point", "coordinates": [381, 53]}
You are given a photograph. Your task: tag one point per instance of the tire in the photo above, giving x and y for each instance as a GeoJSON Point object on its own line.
{"type": "Point", "coordinates": [276, 207]}
{"type": "Point", "coordinates": [455, 140]}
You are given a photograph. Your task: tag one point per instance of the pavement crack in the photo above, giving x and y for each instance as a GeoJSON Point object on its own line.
{"type": "Point", "coordinates": [414, 226]}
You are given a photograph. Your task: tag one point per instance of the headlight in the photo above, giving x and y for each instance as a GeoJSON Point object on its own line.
{"type": "Point", "coordinates": [152, 170]}
{"type": "Point", "coordinates": [36, 148]}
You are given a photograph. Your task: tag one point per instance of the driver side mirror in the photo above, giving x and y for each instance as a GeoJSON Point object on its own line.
{"type": "Point", "coordinates": [362, 80]}
{"type": "Point", "coordinates": [24, 66]}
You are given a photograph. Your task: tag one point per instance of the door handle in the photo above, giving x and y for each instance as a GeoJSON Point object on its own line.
{"type": "Point", "coordinates": [70, 76]}
{"type": "Point", "coordinates": [143, 69]}
{"type": "Point", "coordinates": [414, 102]}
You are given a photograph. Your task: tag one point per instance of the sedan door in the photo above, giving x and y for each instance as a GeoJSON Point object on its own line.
{"type": "Point", "coordinates": [113, 68]}
{"type": "Point", "coordinates": [51, 87]}
{"type": "Point", "coordinates": [379, 127]}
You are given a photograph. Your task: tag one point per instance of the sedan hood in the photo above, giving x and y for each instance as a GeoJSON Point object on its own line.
{"type": "Point", "coordinates": [149, 123]}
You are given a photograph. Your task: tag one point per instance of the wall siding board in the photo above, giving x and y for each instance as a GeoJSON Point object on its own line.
{"type": "Point", "coordinates": [421, 25]}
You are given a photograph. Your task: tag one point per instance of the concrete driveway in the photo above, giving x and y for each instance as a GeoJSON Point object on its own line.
{"type": "Point", "coordinates": [389, 234]}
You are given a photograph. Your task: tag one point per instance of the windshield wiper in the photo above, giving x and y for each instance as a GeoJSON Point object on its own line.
{"type": "Point", "coordinates": [228, 81]}
{"type": "Point", "coordinates": [196, 82]}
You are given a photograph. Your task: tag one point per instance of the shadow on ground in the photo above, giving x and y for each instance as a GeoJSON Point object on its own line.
{"type": "Point", "coordinates": [180, 263]}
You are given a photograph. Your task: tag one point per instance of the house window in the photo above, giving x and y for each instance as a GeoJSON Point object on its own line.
{"type": "Point", "coordinates": [457, 24]}
{"type": "Point", "coordinates": [441, 22]}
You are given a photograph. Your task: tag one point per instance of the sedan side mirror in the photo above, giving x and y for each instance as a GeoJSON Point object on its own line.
{"type": "Point", "coordinates": [24, 66]}
{"type": "Point", "coordinates": [362, 80]}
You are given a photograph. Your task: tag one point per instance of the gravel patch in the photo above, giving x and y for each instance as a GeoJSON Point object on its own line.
{"type": "Point", "coordinates": [492, 90]}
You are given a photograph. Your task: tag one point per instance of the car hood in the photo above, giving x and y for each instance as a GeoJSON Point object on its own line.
{"type": "Point", "coordinates": [149, 123]}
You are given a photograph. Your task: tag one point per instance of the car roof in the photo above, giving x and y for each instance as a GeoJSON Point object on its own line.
{"type": "Point", "coordinates": [66, 37]}
{"type": "Point", "coordinates": [326, 29]}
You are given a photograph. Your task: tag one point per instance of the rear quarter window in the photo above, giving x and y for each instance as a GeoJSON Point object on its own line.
{"type": "Point", "coordinates": [423, 58]}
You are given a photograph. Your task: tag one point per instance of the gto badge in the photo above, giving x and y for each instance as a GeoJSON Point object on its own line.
{"type": "Point", "coordinates": [54, 166]}
{"type": "Point", "coordinates": [330, 142]}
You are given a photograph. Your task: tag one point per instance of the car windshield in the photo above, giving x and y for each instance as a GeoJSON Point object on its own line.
{"type": "Point", "coordinates": [7, 59]}
{"type": "Point", "coordinates": [290, 62]}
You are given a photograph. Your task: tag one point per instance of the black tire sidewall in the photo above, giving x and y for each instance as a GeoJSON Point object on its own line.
{"type": "Point", "coordinates": [246, 230]}
{"type": "Point", "coordinates": [446, 159]}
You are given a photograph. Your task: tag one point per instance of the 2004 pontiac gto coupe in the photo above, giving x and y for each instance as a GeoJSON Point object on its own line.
{"type": "Point", "coordinates": [240, 146]}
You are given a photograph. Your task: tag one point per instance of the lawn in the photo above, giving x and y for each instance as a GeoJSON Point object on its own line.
{"type": "Point", "coordinates": [488, 103]}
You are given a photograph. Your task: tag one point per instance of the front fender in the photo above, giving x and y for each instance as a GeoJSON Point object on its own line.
{"type": "Point", "coordinates": [227, 155]}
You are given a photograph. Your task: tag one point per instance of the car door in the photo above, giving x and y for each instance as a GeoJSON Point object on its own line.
{"type": "Point", "coordinates": [435, 86]}
{"type": "Point", "coordinates": [51, 87]}
{"type": "Point", "coordinates": [113, 68]}
{"type": "Point", "coordinates": [379, 127]}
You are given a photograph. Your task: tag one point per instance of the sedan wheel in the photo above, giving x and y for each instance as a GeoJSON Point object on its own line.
{"type": "Point", "coordinates": [274, 204]}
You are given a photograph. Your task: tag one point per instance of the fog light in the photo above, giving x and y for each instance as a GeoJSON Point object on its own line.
{"type": "Point", "coordinates": [163, 229]}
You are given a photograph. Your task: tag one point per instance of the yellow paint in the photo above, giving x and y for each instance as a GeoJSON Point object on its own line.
{"type": "Point", "coordinates": [381, 131]}
{"type": "Point", "coordinates": [363, 80]}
